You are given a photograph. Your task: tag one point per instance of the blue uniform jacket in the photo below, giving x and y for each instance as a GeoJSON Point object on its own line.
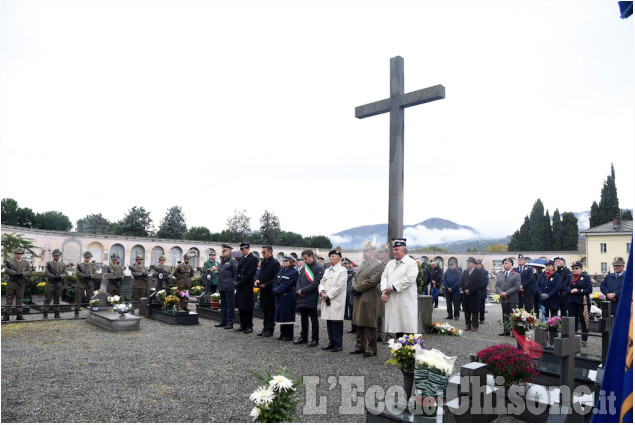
{"type": "Point", "coordinates": [284, 291]}
{"type": "Point", "coordinates": [584, 287]}
{"type": "Point", "coordinates": [452, 280]}
{"type": "Point", "coordinates": [550, 287]}
{"type": "Point", "coordinates": [485, 283]}
{"type": "Point", "coordinates": [527, 280]}
{"type": "Point", "coordinates": [612, 283]}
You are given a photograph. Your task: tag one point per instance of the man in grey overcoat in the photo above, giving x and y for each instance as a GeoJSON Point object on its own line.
{"type": "Point", "coordinates": [507, 286]}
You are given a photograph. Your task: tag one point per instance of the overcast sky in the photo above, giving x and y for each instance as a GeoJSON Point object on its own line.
{"type": "Point", "coordinates": [221, 106]}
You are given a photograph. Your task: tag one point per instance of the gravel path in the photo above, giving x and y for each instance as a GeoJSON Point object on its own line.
{"type": "Point", "coordinates": [72, 371]}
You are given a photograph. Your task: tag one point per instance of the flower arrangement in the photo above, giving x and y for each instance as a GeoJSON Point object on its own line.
{"type": "Point", "coordinates": [432, 372]}
{"type": "Point", "coordinates": [196, 290]}
{"type": "Point", "coordinates": [215, 296]}
{"type": "Point", "coordinates": [596, 311]}
{"type": "Point", "coordinates": [274, 401]}
{"type": "Point", "coordinates": [514, 365]}
{"type": "Point", "coordinates": [41, 287]}
{"type": "Point", "coordinates": [4, 288]}
{"type": "Point", "coordinates": [445, 329]}
{"type": "Point", "coordinates": [114, 299]}
{"type": "Point", "coordinates": [554, 323]}
{"type": "Point", "coordinates": [183, 294]}
{"type": "Point", "coordinates": [171, 301]}
{"type": "Point", "coordinates": [94, 305]}
{"type": "Point", "coordinates": [597, 299]}
{"type": "Point", "coordinates": [256, 290]}
{"type": "Point", "coordinates": [521, 321]}
{"type": "Point", "coordinates": [403, 351]}
{"type": "Point", "coordinates": [496, 298]}
{"type": "Point", "coordinates": [161, 295]}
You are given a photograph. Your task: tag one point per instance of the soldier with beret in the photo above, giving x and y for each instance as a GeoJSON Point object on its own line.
{"type": "Point", "coordinates": [55, 273]}
{"type": "Point", "coordinates": [577, 289]}
{"type": "Point", "coordinates": [210, 268]}
{"type": "Point", "coordinates": [245, 288]}
{"type": "Point", "coordinates": [162, 275]}
{"type": "Point", "coordinates": [84, 286]}
{"type": "Point", "coordinates": [184, 273]}
{"type": "Point", "coordinates": [115, 275]}
{"type": "Point", "coordinates": [139, 279]}
{"type": "Point", "coordinates": [19, 271]}
{"type": "Point", "coordinates": [611, 285]}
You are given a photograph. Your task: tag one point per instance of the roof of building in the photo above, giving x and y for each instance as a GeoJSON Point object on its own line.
{"type": "Point", "coordinates": [622, 227]}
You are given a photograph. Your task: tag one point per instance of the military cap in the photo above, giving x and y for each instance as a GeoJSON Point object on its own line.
{"type": "Point", "coordinates": [369, 245]}
{"type": "Point", "coordinates": [320, 258]}
{"type": "Point", "coordinates": [19, 251]}
{"type": "Point", "coordinates": [521, 256]}
{"type": "Point", "coordinates": [479, 261]}
{"type": "Point", "coordinates": [471, 260]}
{"type": "Point", "coordinates": [336, 252]}
{"type": "Point", "coordinates": [114, 256]}
{"type": "Point", "coordinates": [139, 257]}
{"type": "Point", "coordinates": [549, 263]}
{"type": "Point", "coordinates": [162, 258]}
{"type": "Point", "coordinates": [398, 242]}
{"type": "Point", "coordinates": [618, 261]}
{"type": "Point", "coordinates": [212, 251]}
{"type": "Point", "coordinates": [510, 259]}
{"type": "Point", "coordinates": [186, 256]}
{"type": "Point", "coordinates": [226, 247]}
{"type": "Point", "coordinates": [346, 260]}
{"type": "Point", "coordinates": [243, 245]}
{"type": "Point", "coordinates": [57, 252]}
{"type": "Point", "coordinates": [383, 248]}
{"type": "Point", "coordinates": [558, 258]}
{"type": "Point", "coordinates": [88, 254]}
{"type": "Point", "coordinates": [576, 264]}
{"type": "Point", "coordinates": [288, 257]}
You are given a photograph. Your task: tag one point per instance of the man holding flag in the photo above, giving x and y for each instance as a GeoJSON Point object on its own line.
{"type": "Point", "coordinates": [307, 289]}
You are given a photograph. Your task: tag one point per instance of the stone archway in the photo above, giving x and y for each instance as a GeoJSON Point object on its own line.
{"type": "Point", "coordinates": [176, 255]}
{"type": "Point", "coordinates": [156, 252]}
{"type": "Point", "coordinates": [280, 257]}
{"type": "Point", "coordinates": [425, 260]}
{"type": "Point", "coordinates": [137, 249]}
{"type": "Point", "coordinates": [195, 255]}
{"type": "Point", "coordinates": [121, 252]}
{"type": "Point", "coordinates": [440, 263]}
{"type": "Point", "coordinates": [97, 249]}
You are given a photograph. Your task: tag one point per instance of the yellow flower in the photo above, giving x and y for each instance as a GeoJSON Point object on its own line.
{"type": "Point", "coordinates": [4, 284]}
{"type": "Point", "coordinates": [256, 290]}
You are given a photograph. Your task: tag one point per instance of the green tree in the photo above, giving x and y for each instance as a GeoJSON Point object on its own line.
{"type": "Point", "coordinates": [13, 241]}
{"type": "Point", "coordinates": [319, 241]}
{"type": "Point", "coordinates": [238, 226]}
{"type": "Point", "coordinates": [270, 228]}
{"type": "Point", "coordinates": [540, 237]}
{"type": "Point", "coordinates": [52, 220]}
{"type": "Point", "coordinates": [548, 232]}
{"type": "Point", "coordinates": [291, 239]}
{"type": "Point", "coordinates": [557, 231]}
{"type": "Point", "coordinates": [498, 247]}
{"type": "Point", "coordinates": [609, 206]}
{"type": "Point", "coordinates": [198, 234]}
{"type": "Point", "coordinates": [521, 239]}
{"type": "Point", "coordinates": [595, 211]}
{"type": "Point", "coordinates": [136, 222]}
{"type": "Point", "coordinates": [94, 223]}
{"type": "Point", "coordinates": [173, 224]}
{"type": "Point", "coordinates": [12, 215]}
{"type": "Point", "coordinates": [570, 232]}
{"type": "Point", "coordinates": [627, 215]}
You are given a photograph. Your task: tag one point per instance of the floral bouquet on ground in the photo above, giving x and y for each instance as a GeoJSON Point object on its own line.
{"type": "Point", "coordinates": [445, 329]}
{"type": "Point", "coordinates": [161, 295]}
{"type": "Point", "coordinates": [114, 300]}
{"type": "Point", "coordinates": [597, 299]}
{"type": "Point", "coordinates": [496, 298]}
{"type": "Point", "coordinates": [183, 294]}
{"type": "Point", "coordinates": [521, 321]}
{"type": "Point", "coordinates": [595, 311]}
{"type": "Point", "coordinates": [403, 351]}
{"type": "Point", "coordinates": [122, 309]}
{"type": "Point", "coordinates": [275, 401]}
{"type": "Point", "coordinates": [432, 372]}
{"type": "Point", "coordinates": [514, 365]}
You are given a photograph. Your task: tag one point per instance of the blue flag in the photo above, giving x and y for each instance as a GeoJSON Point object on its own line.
{"type": "Point", "coordinates": [617, 382]}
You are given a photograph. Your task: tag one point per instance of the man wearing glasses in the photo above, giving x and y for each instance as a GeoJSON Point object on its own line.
{"type": "Point", "coordinates": [245, 288]}
{"type": "Point", "coordinates": [611, 286]}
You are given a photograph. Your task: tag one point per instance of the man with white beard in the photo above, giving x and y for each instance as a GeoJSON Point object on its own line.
{"type": "Point", "coordinates": [399, 291]}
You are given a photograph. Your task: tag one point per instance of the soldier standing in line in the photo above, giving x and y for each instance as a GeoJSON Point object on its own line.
{"type": "Point", "coordinates": [163, 274]}
{"type": "Point", "coordinates": [84, 286]}
{"type": "Point", "coordinates": [211, 273]}
{"type": "Point", "coordinates": [55, 273]}
{"type": "Point", "coordinates": [114, 283]}
{"type": "Point", "coordinates": [19, 271]}
{"type": "Point", "coordinates": [139, 279]}
{"type": "Point", "coordinates": [184, 274]}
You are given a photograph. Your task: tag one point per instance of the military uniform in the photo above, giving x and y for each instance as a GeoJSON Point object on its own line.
{"type": "Point", "coordinates": [211, 276]}
{"type": "Point", "coordinates": [139, 280]}
{"type": "Point", "coordinates": [84, 285]}
{"type": "Point", "coordinates": [162, 275]}
{"type": "Point", "coordinates": [15, 287]}
{"type": "Point", "coordinates": [184, 274]}
{"type": "Point", "coordinates": [114, 284]}
{"type": "Point", "coordinates": [55, 273]}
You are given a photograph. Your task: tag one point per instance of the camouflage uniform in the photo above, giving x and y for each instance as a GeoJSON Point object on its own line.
{"type": "Point", "coordinates": [162, 275]}
{"type": "Point", "coordinates": [84, 285]}
{"type": "Point", "coordinates": [15, 287]}
{"type": "Point", "coordinates": [54, 283]}
{"type": "Point", "coordinates": [139, 280]}
{"type": "Point", "coordinates": [184, 274]}
{"type": "Point", "coordinates": [114, 285]}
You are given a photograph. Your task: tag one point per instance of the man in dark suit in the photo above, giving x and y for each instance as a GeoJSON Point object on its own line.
{"type": "Point", "coordinates": [527, 285]}
{"type": "Point", "coordinates": [245, 288]}
{"type": "Point", "coordinates": [471, 284]}
{"type": "Point", "coordinates": [268, 270]}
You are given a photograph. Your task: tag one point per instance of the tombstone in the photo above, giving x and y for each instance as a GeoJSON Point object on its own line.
{"type": "Point", "coordinates": [566, 348]}
{"type": "Point", "coordinates": [425, 313]}
{"type": "Point", "coordinates": [470, 398]}
{"type": "Point", "coordinates": [606, 327]}
{"type": "Point", "coordinates": [153, 310]}
{"type": "Point", "coordinates": [110, 320]}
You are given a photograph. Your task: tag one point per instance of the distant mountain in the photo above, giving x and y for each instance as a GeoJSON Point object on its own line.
{"type": "Point", "coordinates": [433, 231]}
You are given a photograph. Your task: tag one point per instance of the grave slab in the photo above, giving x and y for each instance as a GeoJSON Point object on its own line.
{"type": "Point", "coordinates": [37, 303]}
{"type": "Point", "coordinates": [110, 321]}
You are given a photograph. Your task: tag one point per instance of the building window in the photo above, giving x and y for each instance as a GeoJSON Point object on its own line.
{"type": "Point", "coordinates": [628, 247]}
{"type": "Point", "coordinates": [603, 248]}
{"type": "Point", "coordinates": [604, 267]}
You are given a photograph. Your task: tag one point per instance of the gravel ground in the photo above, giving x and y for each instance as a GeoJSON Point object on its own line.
{"type": "Point", "coordinates": [72, 371]}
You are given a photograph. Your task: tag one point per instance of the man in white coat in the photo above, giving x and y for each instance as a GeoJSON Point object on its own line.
{"type": "Point", "coordinates": [399, 291]}
{"type": "Point", "coordinates": [332, 291]}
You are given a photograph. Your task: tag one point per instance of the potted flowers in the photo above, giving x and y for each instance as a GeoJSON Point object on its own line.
{"type": "Point", "coordinates": [94, 305]}
{"type": "Point", "coordinates": [274, 401]}
{"type": "Point", "coordinates": [403, 357]}
{"type": "Point", "coordinates": [196, 291]}
{"type": "Point", "coordinates": [215, 300]}
{"type": "Point", "coordinates": [514, 365]}
{"type": "Point", "coordinates": [170, 302]}
{"type": "Point", "coordinates": [553, 325]}
{"type": "Point", "coordinates": [432, 372]}
{"type": "Point", "coordinates": [4, 288]}
{"type": "Point", "coordinates": [40, 288]}
{"type": "Point", "coordinates": [597, 299]}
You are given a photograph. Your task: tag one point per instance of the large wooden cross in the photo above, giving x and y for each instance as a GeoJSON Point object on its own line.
{"type": "Point", "coordinates": [396, 104]}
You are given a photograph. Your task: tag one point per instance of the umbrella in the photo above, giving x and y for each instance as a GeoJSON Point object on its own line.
{"type": "Point", "coordinates": [538, 262]}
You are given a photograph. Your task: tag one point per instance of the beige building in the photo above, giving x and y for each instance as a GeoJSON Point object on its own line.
{"type": "Point", "coordinates": [605, 242]}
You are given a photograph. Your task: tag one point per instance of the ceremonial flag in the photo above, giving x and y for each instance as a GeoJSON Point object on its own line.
{"type": "Point", "coordinates": [617, 384]}
{"type": "Point", "coordinates": [308, 273]}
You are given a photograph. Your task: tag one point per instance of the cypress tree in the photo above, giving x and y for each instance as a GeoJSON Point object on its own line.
{"type": "Point", "coordinates": [548, 238]}
{"type": "Point", "coordinates": [595, 210]}
{"type": "Point", "coordinates": [525, 235]}
{"type": "Point", "coordinates": [537, 227]}
{"type": "Point", "coordinates": [609, 206]}
{"type": "Point", "coordinates": [569, 232]}
{"type": "Point", "coordinates": [557, 231]}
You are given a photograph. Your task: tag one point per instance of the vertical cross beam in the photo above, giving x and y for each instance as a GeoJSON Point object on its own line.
{"type": "Point", "coordinates": [566, 348]}
{"type": "Point", "coordinates": [606, 326]}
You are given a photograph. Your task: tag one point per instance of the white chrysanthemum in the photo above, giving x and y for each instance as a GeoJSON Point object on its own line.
{"type": "Point", "coordinates": [394, 345]}
{"type": "Point", "coordinates": [263, 395]}
{"type": "Point", "coordinates": [280, 382]}
{"type": "Point", "coordinates": [255, 412]}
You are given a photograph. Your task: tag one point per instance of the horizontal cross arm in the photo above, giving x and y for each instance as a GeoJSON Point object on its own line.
{"type": "Point", "coordinates": [422, 96]}
{"type": "Point", "coordinates": [371, 109]}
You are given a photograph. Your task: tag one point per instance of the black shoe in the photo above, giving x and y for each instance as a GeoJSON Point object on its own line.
{"type": "Point", "coordinates": [351, 331]}
{"type": "Point", "coordinates": [370, 354]}
{"type": "Point", "coordinates": [356, 352]}
{"type": "Point", "coordinates": [280, 337]}
{"type": "Point", "coordinates": [267, 333]}
{"type": "Point", "coordinates": [300, 340]}
{"type": "Point", "coordinates": [457, 318]}
{"type": "Point", "coordinates": [327, 347]}
{"type": "Point", "coordinates": [286, 339]}
{"type": "Point", "coordinates": [503, 334]}
{"type": "Point", "coordinates": [336, 349]}
{"type": "Point", "coordinates": [45, 316]}
{"type": "Point", "coordinates": [261, 332]}
{"type": "Point", "coordinates": [5, 318]}
{"type": "Point", "coordinates": [57, 316]}
{"type": "Point", "coordinates": [229, 327]}
{"type": "Point", "coordinates": [240, 329]}
{"type": "Point", "coordinates": [220, 325]}
{"type": "Point", "coordinates": [312, 344]}
{"type": "Point", "coordinates": [248, 331]}
{"type": "Point", "coordinates": [448, 317]}
{"type": "Point", "coordinates": [436, 306]}
{"type": "Point", "coordinates": [481, 322]}
{"type": "Point", "coordinates": [20, 317]}
{"type": "Point", "coordinates": [380, 340]}
{"type": "Point", "coordinates": [76, 314]}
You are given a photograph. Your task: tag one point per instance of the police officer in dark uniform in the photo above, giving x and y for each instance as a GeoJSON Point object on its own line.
{"type": "Point", "coordinates": [55, 273]}
{"type": "Point", "coordinates": [84, 286]}
{"type": "Point", "coordinates": [19, 271]}
{"type": "Point", "coordinates": [115, 278]}
{"type": "Point", "coordinates": [245, 288]}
